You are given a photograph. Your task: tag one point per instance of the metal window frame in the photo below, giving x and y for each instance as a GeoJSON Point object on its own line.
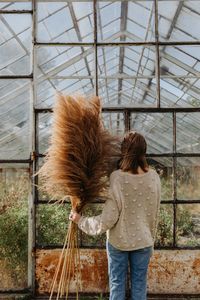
{"type": "Point", "coordinates": [35, 155]}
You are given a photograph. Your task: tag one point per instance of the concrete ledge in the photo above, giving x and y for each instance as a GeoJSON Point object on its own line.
{"type": "Point", "coordinates": [170, 271]}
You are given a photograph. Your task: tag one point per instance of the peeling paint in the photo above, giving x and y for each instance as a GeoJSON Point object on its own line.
{"type": "Point", "coordinates": [170, 271]}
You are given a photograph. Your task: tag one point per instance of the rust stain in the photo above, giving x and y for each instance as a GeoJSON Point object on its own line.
{"type": "Point", "coordinates": [95, 272]}
{"type": "Point", "coordinates": [196, 266]}
{"type": "Point", "coordinates": [170, 271]}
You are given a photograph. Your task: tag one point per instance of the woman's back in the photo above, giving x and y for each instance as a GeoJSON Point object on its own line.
{"type": "Point", "coordinates": [138, 199]}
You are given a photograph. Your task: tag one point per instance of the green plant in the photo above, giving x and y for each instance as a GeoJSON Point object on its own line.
{"type": "Point", "coordinates": [191, 242]}
{"type": "Point", "coordinates": [166, 190]}
{"type": "Point", "coordinates": [164, 231]}
{"type": "Point", "coordinates": [14, 226]}
{"type": "Point", "coordinates": [14, 220]}
{"type": "Point", "coordinates": [185, 223]}
{"type": "Point", "coordinates": [52, 222]}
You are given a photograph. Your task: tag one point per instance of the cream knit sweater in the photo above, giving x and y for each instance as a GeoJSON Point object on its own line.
{"type": "Point", "coordinates": [130, 214]}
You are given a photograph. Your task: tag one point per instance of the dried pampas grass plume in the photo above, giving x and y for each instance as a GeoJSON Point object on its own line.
{"type": "Point", "coordinates": [81, 156]}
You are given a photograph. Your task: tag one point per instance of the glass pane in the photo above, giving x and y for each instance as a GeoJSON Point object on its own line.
{"type": "Point", "coordinates": [188, 132]}
{"type": "Point", "coordinates": [15, 5]}
{"type": "Point", "coordinates": [65, 21]}
{"type": "Point", "coordinates": [188, 225]}
{"type": "Point", "coordinates": [65, 61]}
{"type": "Point", "coordinates": [15, 137]}
{"type": "Point", "coordinates": [15, 44]}
{"type": "Point", "coordinates": [128, 92]}
{"type": "Point", "coordinates": [164, 236]}
{"type": "Point", "coordinates": [64, 69]}
{"type": "Point", "coordinates": [93, 241]}
{"type": "Point", "coordinates": [164, 167]}
{"type": "Point", "coordinates": [114, 122]}
{"type": "Point", "coordinates": [180, 92]}
{"type": "Point", "coordinates": [157, 129]}
{"type": "Point", "coordinates": [188, 181]}
{"type": "Point", "coordinates": [14, 188]}
{"type": "Point", "coordinates": [179, 60]}
{"type": "Point", "coordinates": [179, 68]}
{"type": "Point", "coordinates": [126, 76]}
{"type": "Point", "coordinates": [46, 89]}
{"type": "Point", "coordinates": [44, 131]}
{"type": "Point", "coordinates": [52, 223]}
{"type": "Point", "coordinates": [125, 21]}
{"type": "Point", "coordinates": [137, 61]}
{"type": "Point", "coordinates": [178, 20]}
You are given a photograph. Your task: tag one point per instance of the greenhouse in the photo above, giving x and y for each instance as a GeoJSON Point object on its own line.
{"type": "Point", "coordinates": [142, 58]}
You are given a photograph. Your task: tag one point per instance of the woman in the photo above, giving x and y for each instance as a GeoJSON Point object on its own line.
{"type": "Point", "coordinates": [129, 217]}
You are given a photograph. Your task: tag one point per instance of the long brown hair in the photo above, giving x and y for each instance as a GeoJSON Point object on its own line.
{"type": "Point", "coordinates": [133, 151]}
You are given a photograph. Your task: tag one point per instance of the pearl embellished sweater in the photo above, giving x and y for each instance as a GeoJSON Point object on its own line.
{"type": "Point", "coordinates": [130, 214]}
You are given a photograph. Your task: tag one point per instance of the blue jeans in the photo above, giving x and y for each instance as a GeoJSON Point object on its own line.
{"type": "Point", "coordinates": [117, 270]}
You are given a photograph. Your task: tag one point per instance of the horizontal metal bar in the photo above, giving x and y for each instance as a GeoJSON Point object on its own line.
{"type": "Point", "coordinates": [51, 202]}
{"type": "Point", "coordinates": [16, 11]}
{"type": "Point", "coordinates": [121, 76]}
{"type": "Point", "coordinates": [81, 1]}
{"type": "Point", "coordinates": [152, 109]}
{"type": "Point", "coordinates": [77, 0]}
{"type": "Point", "coordinates": [177, 154]}
{"type": "Point", "coordinates": [61, 44]}
{"type": "Point", "coordinates": [110, 44]}
{"type": "Point", "coordinates": [177, 201]}
{"type": "Point", "coordinates": [151, 155]}
{"type": "Point", "coordinates": [30, 76]}
{"type": "Point", "coordinates": [49, 247]}
{"type": "Point", "coordinates": [43, 110]}
{"type": "Point", "coordinates": [15, 291]}
{"type": "Point", "coordinates": [92, 296]}
{"type": "Point", "coordinates": [136, 109]}
{"type": "Point", "coordinates": [40, 155]}
{"type": "Point", "coordinates": [117, 77]}
{"type": "Point", "coordinates": [16, 161]}
{"type": "Point", "coordinates": [151, 43]}
{"type": "Point", "coordinates": [102, 201]}
{"type": "Point", "coordinates": [174, 296]}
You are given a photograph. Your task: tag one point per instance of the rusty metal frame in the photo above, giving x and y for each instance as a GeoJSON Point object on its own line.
{"type": "Point", "coordinates": [35, 155]}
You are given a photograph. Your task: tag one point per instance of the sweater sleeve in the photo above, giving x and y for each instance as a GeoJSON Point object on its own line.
{"type": "Point", "coordinates": [99, 224]}
{"type": "Point", "coordinates": [158, 207]}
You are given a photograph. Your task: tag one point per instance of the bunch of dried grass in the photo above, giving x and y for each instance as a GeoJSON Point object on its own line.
{"type": "Point", "coordinates": [81, 156]}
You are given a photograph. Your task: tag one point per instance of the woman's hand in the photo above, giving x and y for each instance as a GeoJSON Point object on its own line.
{"type": "Point", "coordinates": [74, 216]}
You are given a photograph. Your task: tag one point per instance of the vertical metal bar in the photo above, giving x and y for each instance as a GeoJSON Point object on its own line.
{"type": "Point", "coordinates": [157, 69]}
{"type": "Point", "coordinates": [95, 48]}
{"type": "Point", "coordinates": [174, 179]}
{"type": "Point", "coordinates": [36, 127]}
{"type": "Point", "coordinates": [30, 196]}
{"type": "Point", "coordinates": [32, 212]}
{"type": "Point", "coordinates": [127, 116]}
